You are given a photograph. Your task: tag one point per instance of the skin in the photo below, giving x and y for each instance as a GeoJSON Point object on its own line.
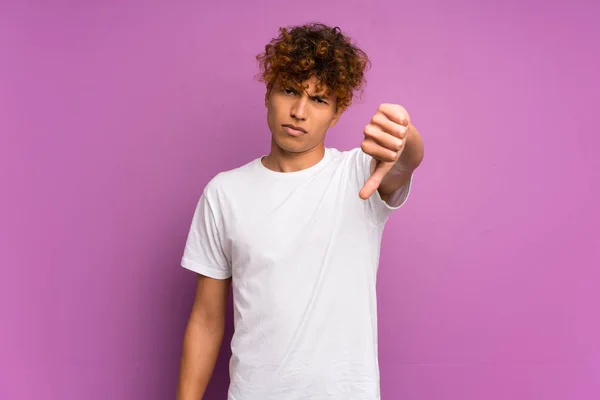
{"type": "Point", "coordinates": [203, 337]}
{"type": "Point", "coordinates": [396, 148]}
{"type": "Point", "coordinates": [312, 111]}
{"type": "Point", "coordinates": [390, 139]}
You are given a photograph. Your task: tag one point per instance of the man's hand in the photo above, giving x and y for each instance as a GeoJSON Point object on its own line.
{"type": "Point", "coordinates": [385, 140]}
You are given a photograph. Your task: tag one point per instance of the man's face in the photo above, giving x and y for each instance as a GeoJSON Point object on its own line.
{"type": "Point", "coordinates": [299, 120]}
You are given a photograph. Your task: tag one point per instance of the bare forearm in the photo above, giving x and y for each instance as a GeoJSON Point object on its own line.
{"type": "Point", "coordinates": [412, 155]}
{"type": "Point", "coordinates": [201, 344]}
{"type": "Point", "coordinates": [409, 160]}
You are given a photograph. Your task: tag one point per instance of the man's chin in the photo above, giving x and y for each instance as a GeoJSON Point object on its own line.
{"type": "Point", "coordinates": [291, 144]}
{"type": "Point", "coordinates": [295, 146]}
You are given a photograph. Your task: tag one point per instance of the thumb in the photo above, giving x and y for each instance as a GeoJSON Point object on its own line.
{"type": "Point", "coordinates": [372, 184]}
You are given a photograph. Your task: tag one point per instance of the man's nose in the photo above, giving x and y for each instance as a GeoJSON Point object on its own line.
{"type": "Point", "coordinates": [298, 110]}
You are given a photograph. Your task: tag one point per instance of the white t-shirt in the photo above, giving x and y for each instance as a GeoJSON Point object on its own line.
{"type": "Point", "coordinates": [302, 249]}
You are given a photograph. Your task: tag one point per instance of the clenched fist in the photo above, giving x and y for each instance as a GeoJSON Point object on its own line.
{"type": "Point", "coordinates": [385, 139]}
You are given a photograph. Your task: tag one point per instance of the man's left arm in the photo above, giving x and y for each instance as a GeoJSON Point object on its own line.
{"type": "Point", "coordinates": [402, 170]}
{"type": "Point", "coordinates": [397, 150]}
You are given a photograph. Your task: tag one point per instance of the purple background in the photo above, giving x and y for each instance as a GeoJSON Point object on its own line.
{"type": "Point", "coordinates": [114, 115]}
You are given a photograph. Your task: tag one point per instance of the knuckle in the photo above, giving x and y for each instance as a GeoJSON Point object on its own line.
{"type": "Point", "coordinates": [371, 130]}
{"type": "Point", "coordinates": [364, 146]}
{"type": "Point", "coordinates": [378, 118]}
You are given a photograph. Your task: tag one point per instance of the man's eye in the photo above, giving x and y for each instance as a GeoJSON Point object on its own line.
{"type": "Point", "coordinates": [289, 91]}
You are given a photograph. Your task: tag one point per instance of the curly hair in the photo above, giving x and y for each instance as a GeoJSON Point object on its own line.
{"type": "Point", "coordinates": [314, 49]}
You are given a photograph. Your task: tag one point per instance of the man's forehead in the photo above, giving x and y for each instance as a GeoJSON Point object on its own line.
{"type": "Point", "coordinates": [315, 87]}
{"type": "Point", "coordinates": [310, 85]}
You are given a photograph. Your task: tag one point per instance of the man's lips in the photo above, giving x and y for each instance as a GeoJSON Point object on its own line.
{"type": "Point", "coordinates": [294, 127]}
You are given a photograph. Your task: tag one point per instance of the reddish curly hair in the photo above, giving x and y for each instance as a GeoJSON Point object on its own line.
{"type": "Point", "coordinates": [314, 49]}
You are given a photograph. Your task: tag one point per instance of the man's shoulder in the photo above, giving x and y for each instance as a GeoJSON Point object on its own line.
{"type": "Point", "coordinates": [230, 179]}
{"type": "Point", "coordinates": [353, 157]}
{"type": "Point", "coordinates": [239, 181]}
{"type": "Point", "coordinates": [345, 154]}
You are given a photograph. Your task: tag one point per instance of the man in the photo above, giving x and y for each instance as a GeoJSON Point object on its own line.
{"type": "Point", "coordinates": [297, 235]}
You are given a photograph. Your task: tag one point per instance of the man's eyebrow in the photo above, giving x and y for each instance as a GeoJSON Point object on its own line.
{"type": "Point", "coordinates": [321, 96]}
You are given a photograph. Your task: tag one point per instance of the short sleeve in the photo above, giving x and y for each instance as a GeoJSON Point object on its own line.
{"type": "Point", "coordinates": [378, 209]}
{"type": "Point", "coordinates": [204, 251]}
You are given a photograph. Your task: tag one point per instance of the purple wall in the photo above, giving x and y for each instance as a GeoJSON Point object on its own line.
{"type": "Point", "coordinates": [114, 115]}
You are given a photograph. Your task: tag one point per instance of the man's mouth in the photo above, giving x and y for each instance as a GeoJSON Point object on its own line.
{"type": "Point", "coordinates": [294, 127]}
{"type": "Point", "coordinates": [294, 130]}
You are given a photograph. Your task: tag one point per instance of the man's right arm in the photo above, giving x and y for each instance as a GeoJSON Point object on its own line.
{"type": "Point", "coordinates": [203, 337]}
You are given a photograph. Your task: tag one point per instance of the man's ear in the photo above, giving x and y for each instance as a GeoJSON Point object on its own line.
{"type": "Point", "coordinates": [268, 95]}
{"type": "Point", "coordinates": [336, 117]}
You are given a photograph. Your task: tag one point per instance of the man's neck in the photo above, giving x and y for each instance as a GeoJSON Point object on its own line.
{"type": "Point", "coordinates": [280, 160]}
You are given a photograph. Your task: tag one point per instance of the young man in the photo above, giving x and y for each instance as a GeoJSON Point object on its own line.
{"type": "Point", "coordinates": [297, 234]}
